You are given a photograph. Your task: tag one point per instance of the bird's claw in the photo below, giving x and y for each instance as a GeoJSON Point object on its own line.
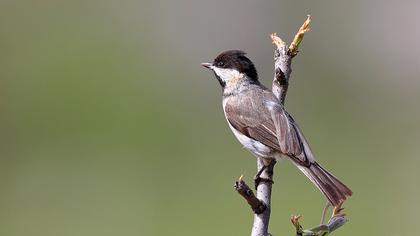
{"type": "Point", "coordinates": [259, 179]}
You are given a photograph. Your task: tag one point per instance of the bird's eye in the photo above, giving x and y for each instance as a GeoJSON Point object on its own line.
{"type": "Point", "coordinates": [220, 64]}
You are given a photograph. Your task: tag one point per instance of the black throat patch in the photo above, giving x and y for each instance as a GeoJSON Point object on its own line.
{"type": "Point", "coordinates": [221, 82]}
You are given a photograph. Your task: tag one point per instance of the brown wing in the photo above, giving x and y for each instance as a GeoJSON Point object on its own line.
{"type": "Point", "coordinates": [267, 122]}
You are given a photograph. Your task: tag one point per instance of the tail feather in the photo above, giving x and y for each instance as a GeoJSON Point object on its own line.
{"type": "Point", "coordinates": [333, 189]}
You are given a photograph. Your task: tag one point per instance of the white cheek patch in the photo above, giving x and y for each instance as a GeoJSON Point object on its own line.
{"type": "Point", "coordinates": [227, 74]}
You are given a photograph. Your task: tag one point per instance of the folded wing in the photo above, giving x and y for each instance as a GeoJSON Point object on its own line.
{"type": "Point", "coordinates": [271, 125]}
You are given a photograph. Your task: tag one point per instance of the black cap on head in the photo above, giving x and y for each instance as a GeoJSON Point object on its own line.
{"type": "Point", "coordinates": [236, 59]}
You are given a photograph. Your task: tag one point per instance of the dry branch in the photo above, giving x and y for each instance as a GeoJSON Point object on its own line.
{"type": "Point", "coordinates": [261, 202]}
{"type": "Point", "coordinates": [245, 191]}
{"type": "Point", "coordinates": [337, 220]}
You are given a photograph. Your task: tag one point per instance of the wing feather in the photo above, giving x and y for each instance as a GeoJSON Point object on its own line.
{"type": "Point", "coordinates": [270, 124]}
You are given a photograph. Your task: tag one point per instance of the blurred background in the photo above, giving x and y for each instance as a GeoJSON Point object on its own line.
{"type": "Point", "coordinates": [110, 126]}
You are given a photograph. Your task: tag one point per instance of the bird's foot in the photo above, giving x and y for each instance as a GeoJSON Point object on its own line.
{"type": "Point", "coordinates": [268, 168]}
{"type": "Point", "coordinates": [259, 179]}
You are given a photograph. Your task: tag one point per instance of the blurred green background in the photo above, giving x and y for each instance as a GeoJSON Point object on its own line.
{"type": "Point", "coordinates": [110, 126]}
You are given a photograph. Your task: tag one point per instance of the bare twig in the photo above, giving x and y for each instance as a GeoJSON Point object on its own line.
{"type": "Point", "coordinates": [324, 212]}
{"type": "Point", "coordinates": [260, 225]}
{"type": "Point", "coordinates": [283, 60]}
{"type": "Point", "coordinates": [337, 220]}
{"type": "Point", "coordinates": [294, 46]}
{"type": "Point", "coordinates": [245, 191]}
{"type": "Point", "coordinates": [282, 68]}
{"type": "Point", "coordinates": [260, 203]}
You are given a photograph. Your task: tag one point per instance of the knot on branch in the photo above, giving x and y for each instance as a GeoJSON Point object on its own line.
{"type": "Point", "coordinates": [283, 59]}
{"type": "Point", "coordinates": [245, 191]}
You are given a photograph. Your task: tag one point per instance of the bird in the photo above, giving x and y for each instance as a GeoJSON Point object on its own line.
{"type": "Point", "coordinates": [263, 126]}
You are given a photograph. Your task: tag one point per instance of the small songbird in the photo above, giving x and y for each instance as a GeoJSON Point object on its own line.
{"type": "Point", "coordinates": [263, 126]}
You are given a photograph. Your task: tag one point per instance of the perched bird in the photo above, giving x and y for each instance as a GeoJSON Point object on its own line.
{"type": "Point", "coordinates": [263, 126]}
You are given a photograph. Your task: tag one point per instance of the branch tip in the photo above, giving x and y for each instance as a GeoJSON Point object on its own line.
{"type": "Point", "coordinates": [294, 46]}
{"type": "Point", "coordinates": [295, 219]}
{"type": "Point", "coordinates": [276, 40]}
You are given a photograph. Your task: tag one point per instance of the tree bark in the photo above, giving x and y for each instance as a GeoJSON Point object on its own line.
{"type": "Point", "coordinates": [262, 220]}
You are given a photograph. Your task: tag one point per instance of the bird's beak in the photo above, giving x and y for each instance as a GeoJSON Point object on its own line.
{"type": "Point", "coordinates": [207, 65]}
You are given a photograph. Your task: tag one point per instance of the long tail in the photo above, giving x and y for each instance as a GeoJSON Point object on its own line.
{"type": "Point", "coordinates": [333, 189]}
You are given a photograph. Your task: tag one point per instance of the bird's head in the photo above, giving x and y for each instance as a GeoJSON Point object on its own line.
{"type": "Point", "coordinates": [232, 67]}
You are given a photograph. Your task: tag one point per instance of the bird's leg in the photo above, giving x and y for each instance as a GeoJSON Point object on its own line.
{"type": "Point", "coordinates": [268, 164]}
{"type": "Point", "coordinates": [324, 212]}
{"type": "Point", "coordinates": [257, 177]}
